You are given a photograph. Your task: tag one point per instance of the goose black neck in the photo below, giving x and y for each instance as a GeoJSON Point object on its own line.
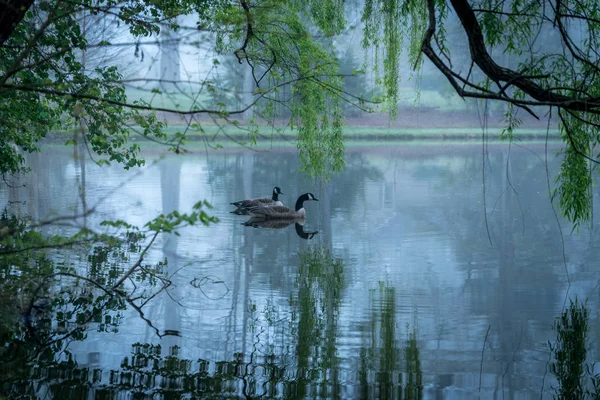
{"type": "Point", "coordinates": [300, 202]}
{"type": "Point", "coordinates": [275, 196]}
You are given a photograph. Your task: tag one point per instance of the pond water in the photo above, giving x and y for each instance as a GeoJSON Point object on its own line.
{"type": "Point", "coordinates": [402, 292]}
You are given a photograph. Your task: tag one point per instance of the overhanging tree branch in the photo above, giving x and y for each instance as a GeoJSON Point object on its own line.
{"type": "Point", "coordinates": [503, 77]}
{"type": "Point", "coordinates": [497, 73]}
{"type": "Point", "coordinates": [134, 106]}
{"type": "Point", "coordinates": [573, 49]}
{"type": "Point", "coordinates": [249, 32]}
{"type": "Point", "coordinates": [452, 76]}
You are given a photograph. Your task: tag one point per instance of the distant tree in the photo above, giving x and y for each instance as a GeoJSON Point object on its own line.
{"type": "Point", "coordinates": [169, 72]}
{"type": "Point", "coordinates": [351, 68]}
{"type": "Point", "coordinates": [229, 83]}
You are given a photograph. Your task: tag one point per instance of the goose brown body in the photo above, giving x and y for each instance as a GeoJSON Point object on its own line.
{"type": "Point", "coordinates": [281, 212]}
{"type": "Point", "coordinates": [244, 205]}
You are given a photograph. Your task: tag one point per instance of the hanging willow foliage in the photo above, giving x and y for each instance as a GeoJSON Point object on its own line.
{"type": "Point", "coordinates": [403, 26]}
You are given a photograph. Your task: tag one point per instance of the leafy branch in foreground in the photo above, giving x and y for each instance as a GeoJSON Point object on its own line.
{"type": "Point", "coordinates": [169, 223]}
{"type": "Point", "coordinates": [86, 283]}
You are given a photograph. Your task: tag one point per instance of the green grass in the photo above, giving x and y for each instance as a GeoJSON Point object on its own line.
{"type": "Point", "coordinates": [362, 136]}
{"type": "Point", "coordinates": [365, 133]}
{"type": "Point", "coordinates": [149, 148]}
{"type": "Point", "coordinates": [429, 98]}
{"type": "Point", "coordinates": [267, 145]}
{"type": "Point", "coordinates": [184, 100]}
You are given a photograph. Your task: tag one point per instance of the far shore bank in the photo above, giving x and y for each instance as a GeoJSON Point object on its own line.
{"type": "Point", "coordinates": [412, 124]}
{"type": "Point", "coordinates": [360, 134]}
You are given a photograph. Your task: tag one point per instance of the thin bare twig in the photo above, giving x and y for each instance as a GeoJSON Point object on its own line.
{"type": "Point", "coordinates": [562, 238]}
{"type": "Point", "coordinates": [482, 351]}
{"type": "Point", "coordinates": [137, 263]}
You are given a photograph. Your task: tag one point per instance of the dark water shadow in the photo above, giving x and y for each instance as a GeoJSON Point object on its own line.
{"type": "Point", "coordinates": [281, 224]}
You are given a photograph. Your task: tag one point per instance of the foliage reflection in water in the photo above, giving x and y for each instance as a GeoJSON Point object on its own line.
{"type": "Point", "coordinates": [575, 377]}
{"type": "Point", "coordinates": [381, 375]}
{"type": "Point", "coordinates": [46, 306]}
{"type": "Point", "coordinates": [294, 353]}
{"type": "Point", "coordinates": [55, 292]}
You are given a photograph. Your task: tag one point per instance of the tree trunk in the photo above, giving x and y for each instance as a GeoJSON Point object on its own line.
{"type": "Point", "coordinates": [169, 59]}
{"type": "Point", "coordinates": [11, 13]}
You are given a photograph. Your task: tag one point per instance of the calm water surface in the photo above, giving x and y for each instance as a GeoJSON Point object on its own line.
{"type": "Point", "coordinates": [399, 294]}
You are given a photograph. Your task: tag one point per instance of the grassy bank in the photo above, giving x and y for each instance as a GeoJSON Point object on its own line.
{"type": "Point", "coordinates": [400, 149]}
{"type": "Point", "coordinates": [363, 133]}
{"type": "Point", "coordinates": [235, 136]}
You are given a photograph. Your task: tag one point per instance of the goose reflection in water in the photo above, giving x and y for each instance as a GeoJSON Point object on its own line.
{"type": "Point", "coordinates": [280, 224]}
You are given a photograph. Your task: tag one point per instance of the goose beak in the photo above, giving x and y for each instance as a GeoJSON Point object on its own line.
{"type": "Point", "coordinates": [280, 192]}
{"type": "Point", "coordinates": [315, 199]}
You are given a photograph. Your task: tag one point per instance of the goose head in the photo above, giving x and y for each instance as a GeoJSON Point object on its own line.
{"type": "Point", "coordinates": [276, 192]}
{"type": "Point", "coordinates": [303, 198]}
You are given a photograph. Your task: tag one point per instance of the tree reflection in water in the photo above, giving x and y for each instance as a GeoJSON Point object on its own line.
{"type": "Point", "coordinates": [380, 374]}
{"type": "Point", "coordinates": [54, 299]}
{"type": "Point", "coordinates": [37, 361]}
{"type": "Point", "coordinates": [293, 355]}
{"type": "Point", "coordinates": [52, 295]}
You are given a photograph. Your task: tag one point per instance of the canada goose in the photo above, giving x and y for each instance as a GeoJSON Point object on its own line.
{"type": "Point", "coordinates": [281, 212]}
{"type": "Point", "coordinates": [244, 205]}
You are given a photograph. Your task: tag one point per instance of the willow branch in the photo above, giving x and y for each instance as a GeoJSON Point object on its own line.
{"type": "Point", "coordinates": [497, 73]}
{"type": "Point", "coordinates": [452, 76]}
{"type": "Point", "coordinates": [572, 141]}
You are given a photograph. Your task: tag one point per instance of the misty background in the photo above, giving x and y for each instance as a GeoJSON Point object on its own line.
{"type": "Point", "coordinates": [183, 69]}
